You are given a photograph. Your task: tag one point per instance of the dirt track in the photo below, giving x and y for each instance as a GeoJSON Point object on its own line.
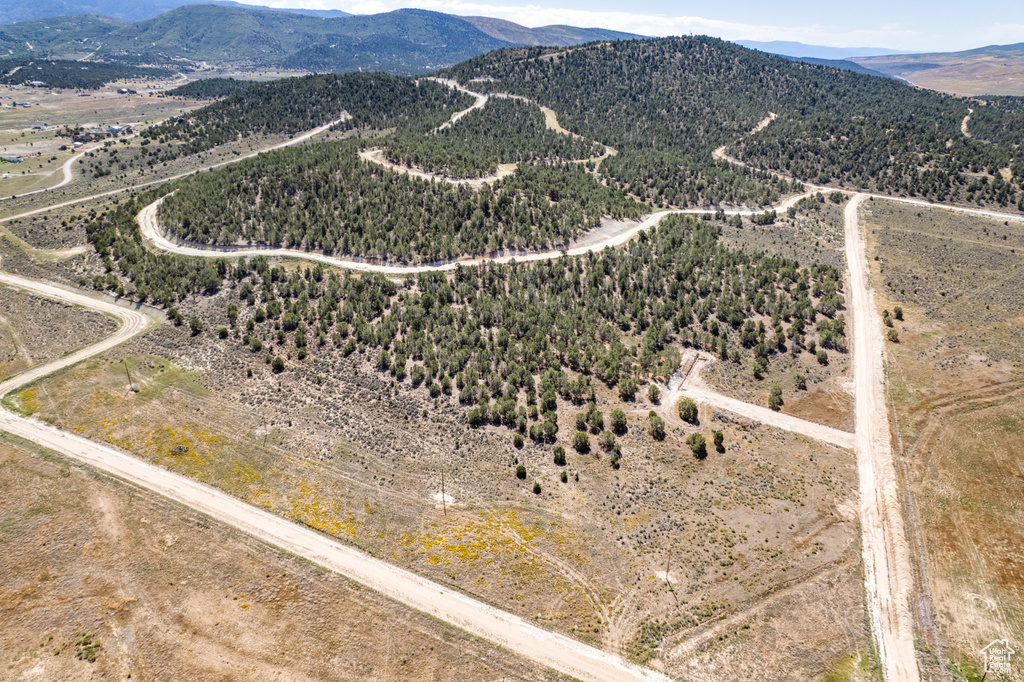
{"type": "Point", "coordinates": [67, 178]}
{"type": "Point", "coordinates": [481, 100]}
{"type": "Point", "coordinates": [888, 578]}
{"type": "Point", "coordinates": [594, 241]}
{"type": "Point", "coordinates": [376, 155]}
{"type": "Point", "coordinates": [132, 322]}
{"type": "Point", "coordinates": [693, 387]}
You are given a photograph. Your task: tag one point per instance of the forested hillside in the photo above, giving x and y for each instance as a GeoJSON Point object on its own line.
{"type": "Point", "coordinates": [493, 333]}
{"type": "Point", "coordinates": [324, 197]}
{"type": "Point", "coordinates": [208, 88]}
{"type": "Point", "coordinates": [72, 74]}
{"type": "Point", "coordinates": [405, 41]}
{"type": "Point", "coordinates": [1001, 121]}
{"type": "Point", "coordinates": [670, 102]}
{"type": "Point", "coordinates": [504, 131]}
{"type": "Point", "coordinates": [293, 105]}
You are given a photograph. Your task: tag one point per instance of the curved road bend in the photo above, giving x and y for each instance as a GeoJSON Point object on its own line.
{"type": "Point", "coordinates": [153, 232]}
{"type": "Point", "coordinates": [547, 648]}
{"type": "Point", "coordinates": [787, 422]}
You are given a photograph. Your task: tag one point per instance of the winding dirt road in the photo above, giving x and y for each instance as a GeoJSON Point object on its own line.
{"type": "Point", "coordinates": [65, 168]}
{"type": "Point", "coordinates": [133, 322]}
{"type": "Point", "coordinates": [67, 178]}
{"type": "Point", "coordinates": [594, 241]}
{"type": "Point", "coordinates": [376, 155]}
{"type": "Point", "coordinates": [481, 100]}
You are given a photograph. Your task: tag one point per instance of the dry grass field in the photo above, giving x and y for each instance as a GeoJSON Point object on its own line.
{"type": "Point", "coordinates": [956, 386]}
{"type": "Point", "coordinates": [998, 71]}
{"type": "Point", "coordinates": [100, 107]}
{"type": "Point", "coordinates": [101, 580]}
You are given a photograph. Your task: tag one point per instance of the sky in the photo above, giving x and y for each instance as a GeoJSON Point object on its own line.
{"type": "Point", "coordinates": [909, 25]}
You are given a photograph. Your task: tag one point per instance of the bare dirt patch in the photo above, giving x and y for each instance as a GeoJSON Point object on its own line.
{"type": "Point", "coordinates": [100, 579]}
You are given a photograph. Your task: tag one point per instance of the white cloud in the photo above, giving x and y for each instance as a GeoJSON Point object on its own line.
{"type": "Point", "coordinates": [997, 34]}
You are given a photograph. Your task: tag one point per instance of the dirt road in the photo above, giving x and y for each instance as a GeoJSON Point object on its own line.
{"type": "Point", "coordinates": [963, 123]}
{"type": "Point", "coordinates": [67, 177]}
{"type": "Point", "coordinates": [551, 649]}
{"type": "Point", "coordinates": [888, 578]}
{"type": "Point", "coordinates": [481, 100]}
{"type": "Point", "coordinates": [132, 322]}
{"type": "Point", "coordinates": [693, 387]}
{"type": "Point", "coordinates": [65, 168]}
{"type": "Point", "coordinates": [376, 155]}
{"type": "Point", "coordinates": [594, 241]}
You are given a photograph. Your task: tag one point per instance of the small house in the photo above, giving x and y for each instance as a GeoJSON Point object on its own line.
{"type": "Point", "coordinates": [12, 159]}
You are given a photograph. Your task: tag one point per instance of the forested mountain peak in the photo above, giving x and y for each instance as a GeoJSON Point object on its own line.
{"type": "Point", "coordinates": [667, 103]}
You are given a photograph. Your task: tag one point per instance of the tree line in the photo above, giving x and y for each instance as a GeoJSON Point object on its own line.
{"type": "Point", "coordinates": [70, 74]}
{"type": "Point", "coordinates": [324, 197]}
{"type": "Point", "coordinates": [507, 341]}
{"type": "Point", "coordinates": [208, 88]}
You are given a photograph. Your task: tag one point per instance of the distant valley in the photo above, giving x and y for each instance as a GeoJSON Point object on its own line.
{"type": "Point", "coordinates": [992, 70]}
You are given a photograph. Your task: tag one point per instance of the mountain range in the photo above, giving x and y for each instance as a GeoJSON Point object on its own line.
{"type": "Point", "coordinates": [403, 41]}
{"type": "Point", "coordinates": [788, 48]}
{"type": "Point", "coordinates": [125, 10]}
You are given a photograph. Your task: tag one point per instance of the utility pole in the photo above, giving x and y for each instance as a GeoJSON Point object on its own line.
{"type": "Point", "coordinates": [444, 505]}
{"type": "Point", "coordinates": [668, 566]}
{"type": "Point", "coordinates": [130, 384]}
